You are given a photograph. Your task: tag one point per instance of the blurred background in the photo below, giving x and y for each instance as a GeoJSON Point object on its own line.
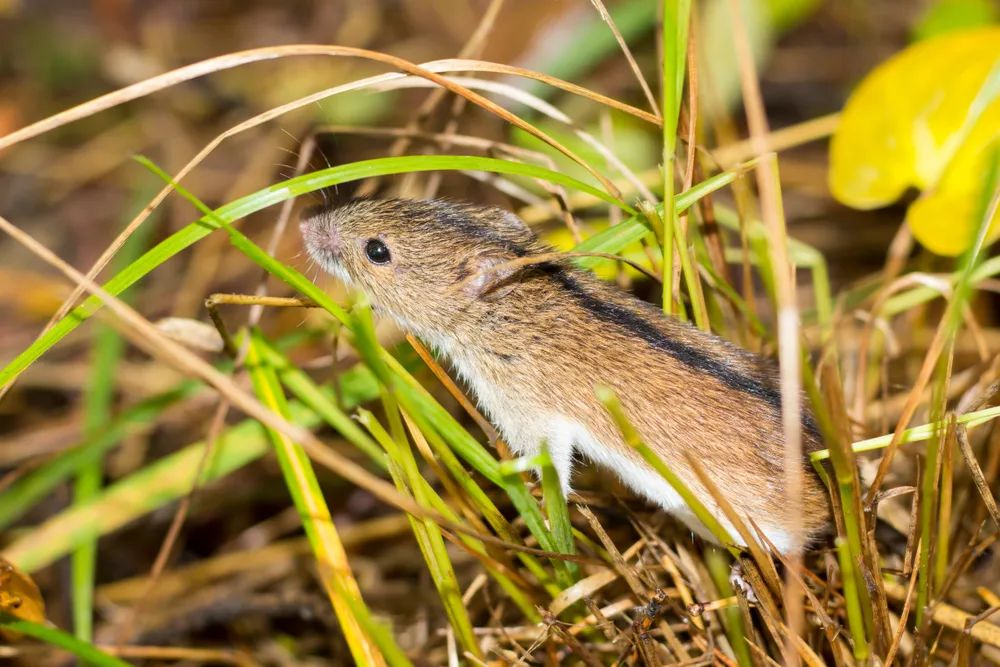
{"type": "Point", "coordinates": [75, 188]}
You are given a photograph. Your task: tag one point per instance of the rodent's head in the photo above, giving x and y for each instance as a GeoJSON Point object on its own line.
{"type": "Point", "coordinates": [422, 262]}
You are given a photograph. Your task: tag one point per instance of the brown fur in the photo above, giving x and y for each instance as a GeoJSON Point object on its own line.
{"type": "Point", "coordinates": [546, 335]}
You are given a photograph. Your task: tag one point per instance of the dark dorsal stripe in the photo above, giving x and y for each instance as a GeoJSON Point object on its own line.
{"type": "Point", "coordinates": [450, 215]}
{"type": "Point", "coordinates": [691, 357]}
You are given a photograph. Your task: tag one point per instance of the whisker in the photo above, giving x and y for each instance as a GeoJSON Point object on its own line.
{"type": "Point", "coordinates": [322, 154]}
{"type": "Point", "coordinates": [297, 140]}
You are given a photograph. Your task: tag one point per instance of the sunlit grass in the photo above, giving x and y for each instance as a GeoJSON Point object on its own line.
{"type": "Point", "coordinates": [524, 539]}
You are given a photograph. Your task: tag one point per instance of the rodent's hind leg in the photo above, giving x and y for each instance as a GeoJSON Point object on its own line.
{"type": "Point", "coordinates": [561, 441]}
{"type": "Point", "coordinates": [527, 438]}
{"type": "Point", "coordinates": [561, 453]}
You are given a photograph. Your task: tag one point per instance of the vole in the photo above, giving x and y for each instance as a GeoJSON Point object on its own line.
{"type": "Point", "coordinates": [533, 341]}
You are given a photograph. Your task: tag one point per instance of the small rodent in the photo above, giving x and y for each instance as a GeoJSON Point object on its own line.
{"type": "Point", "coordinates": [533, 341]}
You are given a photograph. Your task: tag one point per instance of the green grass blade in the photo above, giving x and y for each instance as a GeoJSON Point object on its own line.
{"type": "Point", "coordinates": [614, 407]}
{"type": "Point", "coordinates": [406, 475]}
{"type": "Point", "coordinates": [676, 19]}
{"type": "Point", "coordinates": [98, 400]}
{"type": "Point", "coordinates": [35, 486]}
{"type": "Point", "coordinates": [303, 486]}
{"type": "Point", "coordinates": [915, 434]}
{"type": "Point", "coordinates": [310, 394]}
{"type": "Point", "coordinates": [159, 484]}
{"type": "Point", "coordinates": [270, 196]}
{"type": "Point", "coordinates": [736, 630]}
{"type": "Point", "coordinates": [86, 652]}
{"type": "Point", "coordinates": [557, 510]}
{"type": "Point", "coordinates": [855, 618]}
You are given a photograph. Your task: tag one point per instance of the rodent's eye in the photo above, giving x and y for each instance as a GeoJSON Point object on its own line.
{"type": "Point", "coordinates": [377, 251]}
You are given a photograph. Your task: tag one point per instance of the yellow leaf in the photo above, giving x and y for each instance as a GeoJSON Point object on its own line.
{"type": "Point", "coordinates": [19, 595]}
{"type": "Point", "coordinates": [562, 239]}
{"type": "Point", "coordinates": [909, 125]}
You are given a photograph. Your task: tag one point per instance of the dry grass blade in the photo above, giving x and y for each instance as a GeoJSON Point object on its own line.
{"type": "Point", "coordinates": [903, 617]}
{"type": "Point", "coordinates": [572, 88]}
{"type": "Point", "coordinates": [452, 388]}
{"type": "Point", "coordinates": [953, 617]}
{"type": "Point", "coordinates": [783, 277]}
{"type": "Point", "coordinates": [581, 590]}
{"type": "Point", "coordinates": [776, 141]}
{"type": "Point", "coordinates": [874, 317]}
{"type": "Point", "coordinates": [503, 270]}
{"type": "Point", "coordinates": [606, 17]}
{"type": "Point", "coordinates": [770, 574]}
{"type": "Point", "coordinates": [147, 337]}
{"type": "Point", "coordinates": [977, 474]}
{"type": "Point", "coordinates": [626, 571]}
{"type": "Point", "coordinates": [533, 102]}
{"type": "Point", "coordinates": [441, 138]}
{"type": "Point", "coordinates": [233, 60]}
{"type": "Point", "coordinates": [201, 656]}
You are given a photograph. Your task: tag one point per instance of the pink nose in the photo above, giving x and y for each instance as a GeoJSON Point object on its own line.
{"type": "Point", "coordinates": [320, 236]}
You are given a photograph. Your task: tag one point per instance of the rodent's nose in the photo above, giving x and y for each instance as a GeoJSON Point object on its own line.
{"type": "Point", "coordinates": [320, 236]}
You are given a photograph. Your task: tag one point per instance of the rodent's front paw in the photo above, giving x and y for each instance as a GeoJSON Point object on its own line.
{"type": "Point", "coordinates": [739, 583]}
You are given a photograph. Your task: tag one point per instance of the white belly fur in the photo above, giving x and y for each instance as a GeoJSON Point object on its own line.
{"type": "Point", "coordinates": [524, 427]}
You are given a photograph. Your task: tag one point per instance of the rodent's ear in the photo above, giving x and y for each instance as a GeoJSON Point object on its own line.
{"type": "Point", "coordinates": [487, 277]}
{"type": "Point", "coordinates": [514, 228]}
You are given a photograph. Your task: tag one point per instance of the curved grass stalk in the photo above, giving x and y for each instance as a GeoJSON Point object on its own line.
{"type": "Point", "coordinates": [540, 105]}
{"type": "Point", "coordinates": [269, 196]}
{"type": "Point", "coordinates": [224, 62]}
{"type": "Point", "coordinates": [412, 396]}
{"type": "Point", "coordinates": [231, 60]}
